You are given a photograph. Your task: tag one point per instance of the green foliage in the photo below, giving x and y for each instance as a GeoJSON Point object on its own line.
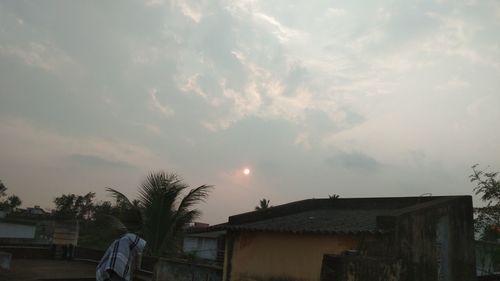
{"type": "Point", "coordinates": [263, 205]}
{"type": "Point", "coordinates": [487, 218]}
{"type": "Point", "coordinates": [161, 212]}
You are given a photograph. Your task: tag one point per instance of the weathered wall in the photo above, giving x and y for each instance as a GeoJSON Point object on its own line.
{"type": "Point", "coordinates": [201, 247]}
{"type": "Point", "coordinates": [16, 230]}
{"type": "Point", "coordinates": [487, 258]}
{"type": "Point", "coordinates": [5, 259]}
{"type": "Point", "coordinates": [437, 241]}
{"type": "Point", "coordinates": [65, 233]}
{"type": "Point", "coordinates": [174, 270]}
{"type": "Point", "coordinates": [281, 256]}
{"type": "Point", "coordinates": [360, 268]}
{"type": "Point", "coordinates": [40, 232]}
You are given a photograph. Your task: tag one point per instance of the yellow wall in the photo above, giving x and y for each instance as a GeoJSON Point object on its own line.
{"type": "Point", "coordinates": [260, 256]}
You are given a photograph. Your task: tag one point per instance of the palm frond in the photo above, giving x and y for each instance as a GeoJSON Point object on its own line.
{"type": "Point", "coordinates": [112, 222]}
{"type": "Point", "coordinates": [119, 197]}
{"type": "Point", "coordinates": [194, 196]}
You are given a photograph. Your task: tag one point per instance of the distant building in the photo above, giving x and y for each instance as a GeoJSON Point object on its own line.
{"type": "Point", "coordinates": [406, 238]}
{"type": "Point", "coordinates": [36, 227]}
{"type": "Point", "coordinates": [205, 242]}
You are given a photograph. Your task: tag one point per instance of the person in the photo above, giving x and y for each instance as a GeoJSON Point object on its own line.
{"type": "Point", "coordinates": [121, 258]}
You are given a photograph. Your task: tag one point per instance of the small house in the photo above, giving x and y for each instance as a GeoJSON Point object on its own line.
{"type": "Point", "coordinates": [399, 238]}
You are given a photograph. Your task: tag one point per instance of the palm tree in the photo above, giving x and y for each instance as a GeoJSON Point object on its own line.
{"type": "Point", "coordinates": [163, 212]}
{"type": "Point", "coordinates": [263, 204]}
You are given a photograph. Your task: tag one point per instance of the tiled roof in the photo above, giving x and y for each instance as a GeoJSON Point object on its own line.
{"type": "Point", "coordinates": [318, 222]}
{"type": "Point", "coordinates": [329, 216]}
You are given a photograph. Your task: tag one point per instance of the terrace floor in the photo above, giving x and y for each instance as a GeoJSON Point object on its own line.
{"type": "Point", "coordinates": [48, 270]}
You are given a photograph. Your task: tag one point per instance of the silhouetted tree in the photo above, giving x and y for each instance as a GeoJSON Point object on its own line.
{"type": "Point", "coordinates": [3, 189]}
{"type": "Point", "coordinates": [74, 206]}
{"type": "Point", "coordinates": [263, 205]}
{"type": "Point", "coordinates": [487, 220]}
{"type": "Point", "coordinates": [162, 211]}
{"type": "Point", "coordinates": [13, 202]}
{"type": "Point", "coordinates": [334, 196]}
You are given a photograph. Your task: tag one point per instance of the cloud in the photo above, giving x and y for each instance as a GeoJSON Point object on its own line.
{"type": "Point", "coordinates": [454, 84]}
{"type": "Point", "coordinates": [96, 162]}
{"type": "Point", "coordinates": [194, 14]}
{"type": "Point", "coordinates": [22, 140]}
{"type": "Point", "coordinates": [155, 104]}
{"type": "Point", "coordinates": [336, 12]}
{"type": "Point", "coordinates": [369, 85]}
{"type": "Point", "coordinates": [191, 85]}
{"type": "Point", "coordinates": [282, 32]}
{"type": "Point", "coordinates": [42, 55]}
{"type": "Point", "coordinates": [354, 161]}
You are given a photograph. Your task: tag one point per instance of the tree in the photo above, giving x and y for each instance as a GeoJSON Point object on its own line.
{"type": "Point", "coordinates": [263, 205]}
{"type": "Point", "coordinates": [3, 189]}
{"type": "Point", "coordinates": [487, 221]}
{"type": "Point", "coordinates": [74, 206]}
{"type": "Point", "coordinates": [161, 212]}
{"type": "Point", "coordinates": [13, 202]}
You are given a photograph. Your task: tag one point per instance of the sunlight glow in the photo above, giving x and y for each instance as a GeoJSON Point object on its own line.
{"type": "Point", "coordinates": [246, 171]}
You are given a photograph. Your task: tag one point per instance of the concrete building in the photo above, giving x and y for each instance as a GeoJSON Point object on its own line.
{"type": "Point", "coordinates": [38, 231]}
{"type": "Point", "coordinates": [17, 230]}
{"type": "Point", "coordinates": [407, 238]}
{"type": "Point", "coordinates": [206, 243]}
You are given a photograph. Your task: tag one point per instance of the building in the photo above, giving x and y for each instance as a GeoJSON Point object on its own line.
{"type": "Point", "coordinates": [487, 258]}
{"type": "Point", "coordinates": [206, 243]}
{"type": "Point", "coordinates": [405, 238]}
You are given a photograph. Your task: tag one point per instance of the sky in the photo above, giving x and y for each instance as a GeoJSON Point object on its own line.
{"type": "Point", "coordinates": [356, 98]}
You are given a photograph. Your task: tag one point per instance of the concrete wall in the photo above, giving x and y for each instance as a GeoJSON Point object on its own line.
{"type": "Point", "coordinates": [487, 258]}
{"type": "Point", "coordinates": [65, 233]}
{"type": "Point", "coordinates": [436, 241]}
{"type": "Point", "coordinates": [40, 232]}
{"type": "Point", "coordinates": [5, 260]}
{"type": "Point", "coordinates": [14, 230]}
{"type": "Point", "coordinates": [281, 256]}
{"type": "Point", "coordinates": [360, 268]}
{"type": "Point", "coordinates": [176, 270]}
{"type": "Point", "coordinates": [201, 247]}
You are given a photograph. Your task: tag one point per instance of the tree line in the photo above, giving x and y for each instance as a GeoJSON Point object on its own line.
{"type": "Point", "coordinates": [164, 207]}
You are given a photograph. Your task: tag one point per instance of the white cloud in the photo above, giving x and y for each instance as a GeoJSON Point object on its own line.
{"type": "Point", "coordinates": [454, 37]}
{"type": "Point", "coordinates": [43, 55]}
{"type": "Point", "coordinates": [336, 12]}
{"type": "Point", "coordinates": [282, 32]}
{"type": "Point", "coordinates": [190, 84]}
{"type": "Point", "coordinates": [192, 13]}
{"type": "Point", "coordinates": [453, 84]}
{"type": "Point", "coordinates": [156, 105]}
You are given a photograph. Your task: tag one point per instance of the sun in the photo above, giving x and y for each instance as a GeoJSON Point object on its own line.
{"type": "Point", "coordinates": [246, 171]}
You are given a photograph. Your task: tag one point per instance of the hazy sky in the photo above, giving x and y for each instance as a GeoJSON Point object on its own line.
{"type": "Point", "coordinates": [357, 98]}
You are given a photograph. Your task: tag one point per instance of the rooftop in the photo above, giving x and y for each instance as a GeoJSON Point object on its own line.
{"type": "Point", "coordinates": [48, 270]}
{"type": "Point", "coordinates": [330, 216]}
